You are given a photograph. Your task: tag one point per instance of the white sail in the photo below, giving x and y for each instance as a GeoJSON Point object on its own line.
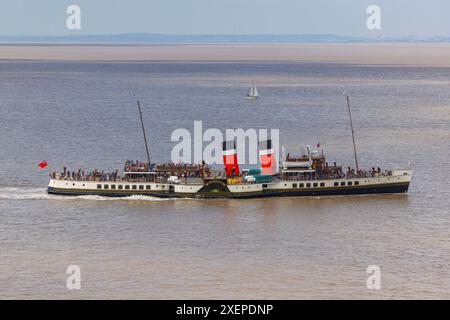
{"type": "Point", "coordinates": [252, 91]}
{"type": "Point", "coordinates": [255, 91]}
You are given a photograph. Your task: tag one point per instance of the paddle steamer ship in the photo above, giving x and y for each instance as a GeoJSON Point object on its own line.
{"type": "Point", "coordinates": [306, 175]}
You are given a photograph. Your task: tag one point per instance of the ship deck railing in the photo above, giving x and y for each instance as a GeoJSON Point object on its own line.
{"type": "Point", "coordinates": [118, 179]}
{"type": "Point", "coordinates": [200, 180]}
{"type": "Point", "coordinates": [149, 178]}
{"type": "Point", "coordinates": [353, 176]}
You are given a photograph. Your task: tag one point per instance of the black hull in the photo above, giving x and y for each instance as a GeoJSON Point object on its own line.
{"type": "Point", "coordinates": [374, 189]}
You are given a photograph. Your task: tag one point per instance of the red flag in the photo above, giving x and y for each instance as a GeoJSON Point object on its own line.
{"type": "Point", "coordinates": [318, 145]}
{"type": "Point", "coordinates": [43, 164]}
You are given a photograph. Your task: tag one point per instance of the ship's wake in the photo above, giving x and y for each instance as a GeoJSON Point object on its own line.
{"type": "Point", "coordinates": [24, 193]}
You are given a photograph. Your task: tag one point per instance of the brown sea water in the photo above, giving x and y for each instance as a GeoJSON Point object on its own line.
{"type": "Point", "coordinates": [78, 114]}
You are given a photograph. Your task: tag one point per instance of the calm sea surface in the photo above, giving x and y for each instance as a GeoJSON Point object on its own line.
{"type": "Point", "coordinates": [79, 115]}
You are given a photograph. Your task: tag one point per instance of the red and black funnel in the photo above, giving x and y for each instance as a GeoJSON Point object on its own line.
{"type": "Point", "coordinates": [267, 157]}
{"type": "Point", "coordinates": [230, 158]}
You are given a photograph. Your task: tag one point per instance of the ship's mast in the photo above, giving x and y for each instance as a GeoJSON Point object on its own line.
{"type": "Point", "coordinates": [353, 133]}
{"type": "Point", "coordinates": [143, 131]}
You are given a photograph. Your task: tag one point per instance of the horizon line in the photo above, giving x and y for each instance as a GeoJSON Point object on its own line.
{"type": "Point", "coordinates": [185, 39]}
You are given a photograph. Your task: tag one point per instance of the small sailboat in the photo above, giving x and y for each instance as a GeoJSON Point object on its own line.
{"type": "Point", "coordinates": [253, 95]}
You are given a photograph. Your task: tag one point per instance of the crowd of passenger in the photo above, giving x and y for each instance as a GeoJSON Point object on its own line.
{"type": "Point", "coordinates": [374, 172]}
{"type": "Point", "coordinates": [160, 172]}
{"type": "Point", "coordinates": [137, 166]}
{"type": "Point", "coordinates": [84, 175]}
{"type": "Point", "coordinates": [188, 171]}
{"type": "Point", "coordinates": [183, 169]}
{"type": "Point", "coordinates": [336, 173]}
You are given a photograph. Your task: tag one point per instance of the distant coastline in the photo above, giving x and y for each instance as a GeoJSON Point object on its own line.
{"type": "Point", "coordinates": [154, 38]}
{"type": "Point", "coordinates": [399, 54]}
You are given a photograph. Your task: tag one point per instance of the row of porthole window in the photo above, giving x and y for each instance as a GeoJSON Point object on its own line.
{"type": "Point", "coordinates": [248, 187]}
{"type": "Point", "coordinates": [349, 183]}
{"type": "Point", "coordinates": [126, 187]}
{"type": "Point", "coordinates": [322, 184]}
{"type": "Point", "coordinates": [308, 185]}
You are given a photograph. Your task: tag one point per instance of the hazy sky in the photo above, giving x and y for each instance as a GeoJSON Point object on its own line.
{"type": "Point", "coordinates": [342, 17]}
